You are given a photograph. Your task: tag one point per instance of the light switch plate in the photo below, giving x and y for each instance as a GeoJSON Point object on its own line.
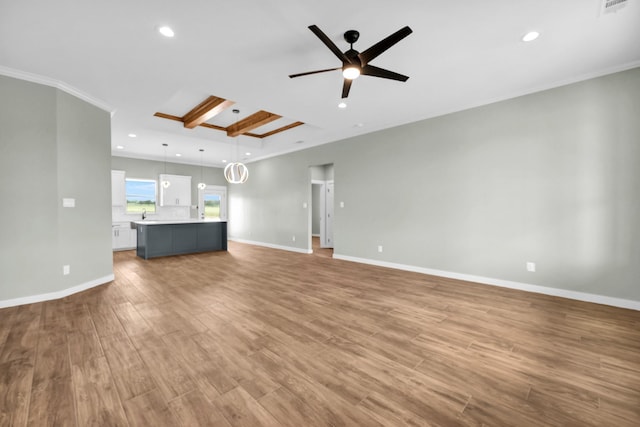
{"type": "Point", "coordinates": [68, 203]}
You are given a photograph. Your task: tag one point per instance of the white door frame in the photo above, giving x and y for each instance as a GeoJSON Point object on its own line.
{"type": "Point", "coordinates": [220, 190]}
{"type": "Point", "coordinates": [327, 241]}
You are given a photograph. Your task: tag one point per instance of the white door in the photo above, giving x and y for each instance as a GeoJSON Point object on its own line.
{"type": "Point", "coordinates": [319, 212]}
{"type": "Point", "coordinates": [328, 223]}
{"type": "Point", "coordinates": [212, 202]}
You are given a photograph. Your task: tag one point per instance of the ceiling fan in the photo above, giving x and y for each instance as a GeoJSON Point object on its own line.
{"type": "Point", "coordinates": [355, 63]}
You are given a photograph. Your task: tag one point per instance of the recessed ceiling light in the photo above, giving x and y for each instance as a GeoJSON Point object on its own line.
{"type": "Point", "coordinates": [300, 142]}
{"type": "Point", "coordinates": [247, 153]}
{"type": "Point", "coordinates": [342, 105]}
{"type": "Point", "coordinates": [119, 147]}
{"type": "Point", "coordinates": [224, 161]}
{"type": "Point", "coordinates": [359, 125]}
{"type": "Point", "coordinates": [178, 155]}
{"type": "Point", "coordinates": [166, 31]}
{"type": "Point", "coordinates": [530, 36]}
{"type": "Point", "coordinates": [132, 135]}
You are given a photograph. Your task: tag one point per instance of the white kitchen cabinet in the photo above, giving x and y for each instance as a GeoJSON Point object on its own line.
{"type": "Point", "coordinates": [122, 236]}
{"type": "Point", "coordinates": [118, 197]}
{"type": "Point", "coordinates": [178, 193]}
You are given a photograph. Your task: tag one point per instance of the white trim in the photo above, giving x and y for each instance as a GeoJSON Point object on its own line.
{"type": "Point", "coordinates": [58, 294]}
{"type": "Point", "coordinates": [315, 235]}
{"type": "Point", "coordinates": [564, 293]}
{"type": "Point", "coordinates": [47, 81]}
{"type": "Point", "coordinates": [272, 246]}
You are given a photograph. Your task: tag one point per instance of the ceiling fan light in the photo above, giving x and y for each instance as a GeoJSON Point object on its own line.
{"type": "Point", "coordinates": [351, 72]}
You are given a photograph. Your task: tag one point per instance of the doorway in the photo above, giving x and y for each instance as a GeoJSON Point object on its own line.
{"type": "Point", "coordinates": [212, 202]}
{"type": "Point", "coordinates": [322, 207]}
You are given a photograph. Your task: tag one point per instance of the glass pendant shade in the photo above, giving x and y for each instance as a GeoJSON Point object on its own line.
{"type": "Point", "coordinates": [236, 173]}
{"type": "Point", "coordinates": [166, 184]}
{"type": "Point", "coordinates": [202, 185]}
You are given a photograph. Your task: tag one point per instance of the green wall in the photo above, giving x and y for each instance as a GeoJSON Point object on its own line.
{"type": "Point", "coordinates": [550, 178]}
{"type": "Point", "coordinates": [52, 146]}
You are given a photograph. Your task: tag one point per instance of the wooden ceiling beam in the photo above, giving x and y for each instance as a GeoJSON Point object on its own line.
{"type": "Point", "coordinates": [243, 127]}
{"type": "Point", "coordinates": [216, 127]}
{"type": "Point", "coordinates": [168, 116]}
{"type": "Point", "coordinates": [205, 110]}
{"type": "Point", "coordinates": [179, 119]}
{"type": "Point", "coordinates": [249, 123]}
{"type": "Point", "coordinates": [282, 129]}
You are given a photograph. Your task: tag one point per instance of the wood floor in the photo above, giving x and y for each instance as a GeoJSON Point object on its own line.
{"type": "Point", "coordinates": [318, 251]}
{"type": "Point", "coordinates": [261, 337]}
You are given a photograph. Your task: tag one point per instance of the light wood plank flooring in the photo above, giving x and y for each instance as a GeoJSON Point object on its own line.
{"type": "Point", "coordinates": [261, 337]}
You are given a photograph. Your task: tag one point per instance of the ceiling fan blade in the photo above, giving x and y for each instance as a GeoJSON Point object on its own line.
{"type": "Point", "coordinates": [346, 87]}
{"type": "Point", "coordinates": [383, 45]}
{"type": "Point", "coordinates": [313, 72]}
{"type": "Point", "coordinates": [327, 41]}
{"type": "Point", "coordinates": [370, 70]}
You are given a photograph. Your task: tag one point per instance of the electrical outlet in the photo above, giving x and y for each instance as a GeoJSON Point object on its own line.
{"type": "Point", "coordinates": [379, 248]}
{"type": "Point", "coordinates": [531, 266]}
{"type": "Point", "coordinates": [293, 238]}
{"type": "Point", "coordinates": [66, 269]}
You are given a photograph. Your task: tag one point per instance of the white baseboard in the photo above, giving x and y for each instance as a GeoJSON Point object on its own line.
{"type": "Point", "coordinates": [58, 294]}
{"type": "Point", "coordinates": [564, 293]}
{"type": "Point", "coordinates": [272, 246]}
{"type": "Point", "coordinates": [315, 235]}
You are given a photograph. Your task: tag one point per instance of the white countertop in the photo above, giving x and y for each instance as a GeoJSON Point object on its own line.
{"type": "Point", "coordinates": [175, 221]}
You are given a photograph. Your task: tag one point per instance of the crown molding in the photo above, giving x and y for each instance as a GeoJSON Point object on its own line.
{"type": "Point", "coordinates": [47, 81]}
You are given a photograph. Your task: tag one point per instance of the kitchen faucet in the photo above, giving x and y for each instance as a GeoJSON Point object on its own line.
{"type": "Point", "coordinates": [144, 214]}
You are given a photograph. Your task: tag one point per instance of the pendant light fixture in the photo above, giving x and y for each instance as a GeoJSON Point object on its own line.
{"type": "Point", "coordinates": [236, 172]}
{"type": "Point", "coordinates": [201, 184]}
{"type": "Point", "coordinates": [165, 182]}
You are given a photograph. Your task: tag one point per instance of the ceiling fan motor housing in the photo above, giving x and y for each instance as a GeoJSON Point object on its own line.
{"type": "Point", "coordinates": [351, 36]}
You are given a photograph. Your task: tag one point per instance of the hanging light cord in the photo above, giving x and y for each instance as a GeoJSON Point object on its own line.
{"type": "Point", "coordinates": [236, 172]}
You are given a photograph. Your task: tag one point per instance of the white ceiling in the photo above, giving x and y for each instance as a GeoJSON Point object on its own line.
{"type": "Point", "coordinates": [461, 54]}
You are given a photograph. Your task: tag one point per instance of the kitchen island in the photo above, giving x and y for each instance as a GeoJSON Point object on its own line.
{"type": "Point", "coordinates": [179, 237]}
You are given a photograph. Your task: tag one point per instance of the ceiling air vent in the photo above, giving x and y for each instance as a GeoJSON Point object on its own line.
{"type": "Point", "coordinates": [610, 6]}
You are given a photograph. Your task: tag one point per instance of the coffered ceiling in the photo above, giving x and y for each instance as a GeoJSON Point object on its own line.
{"type": "Point", "coordinates": [460, 55]}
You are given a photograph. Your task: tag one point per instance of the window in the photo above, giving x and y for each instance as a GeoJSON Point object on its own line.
{"type": "Point", "coordinates": [140, 195]}
{"type": "Point", "coordinates": [211, 206]}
